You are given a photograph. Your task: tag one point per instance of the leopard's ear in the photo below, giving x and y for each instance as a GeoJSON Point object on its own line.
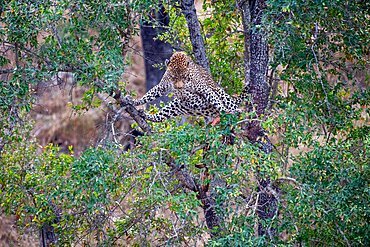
{"type": "Point", "coordinates": [166, 62]}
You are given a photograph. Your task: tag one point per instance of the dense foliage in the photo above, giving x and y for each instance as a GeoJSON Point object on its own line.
{"type": "Point", "coordinates": [324, 51]}
{"type": "Point", "coordinates": [318, 117]}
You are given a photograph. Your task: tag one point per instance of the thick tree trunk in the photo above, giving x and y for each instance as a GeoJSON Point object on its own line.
{"type": "Point", "coordinates": [155, 50]}
{"type": "Point", "coordinates": [246, 19]}
{"type": "Point", "coordinates": [47, 236]}
{"type": "Point", "coordinates": [205, 194]}
{"type": "Point", "coordinates": [256, 64]}
{"type": "Point", "coordinates": [259, 87]}
{"type": "Point", "coordinates": [209, 209]}
{"type": "Point", "coordinates": [197, 41]}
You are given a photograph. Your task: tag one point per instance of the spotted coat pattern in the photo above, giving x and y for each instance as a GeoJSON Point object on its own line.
{"type": "Point", "coordinates": [195, 92]}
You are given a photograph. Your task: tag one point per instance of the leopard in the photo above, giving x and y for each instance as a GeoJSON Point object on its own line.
{"type": "Point", "coordinates": [194, 91]}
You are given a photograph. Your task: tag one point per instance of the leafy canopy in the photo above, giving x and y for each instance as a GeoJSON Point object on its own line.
{"type": "Point", "coordinates": [318, 118]}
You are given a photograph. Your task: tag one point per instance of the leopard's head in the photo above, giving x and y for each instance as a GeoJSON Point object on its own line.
{"type": "Point", "coordinates": [179, 63]}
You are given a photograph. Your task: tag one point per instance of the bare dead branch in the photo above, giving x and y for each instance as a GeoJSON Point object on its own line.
{"type": "Point", "coordinates": [343, 235]}
{"type": "Point", "coordinates": [6, 71]}
{"type": "Point", "coordinates": [132, 111]}
{"type": "Point", "coordinates": [288, 180]}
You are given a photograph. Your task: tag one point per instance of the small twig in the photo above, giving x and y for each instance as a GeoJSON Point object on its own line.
{"type": "Point", "coordinates": [254, 212]}
{"type": "Point", "coordinates": [6, 71]}
{"type": "Point", "coordinates": [29, 51]}
{"type": "Point", "coordinates": [248, 120]}
{"type": "Point", "coordinates": [289, 180]}
{"type": "Point", "coordinates": [318, 67]}
{"type": "Point", "coordinates": [16, 50]}
{"type": "Point", "coordinates": [256, 204]}
{"type": "Point", "coordinates": [343, 235]}
{"type": "Point", "coordinates": [56, 34]}
{"type": "Point", "coordinates": [274, 85]}
{"type": "Point", "coordinates": [117, 113]}
{"type": "Point", "coordinates": [273, 192]}
{"type": "Point", "coordinates": [194, 150]}
{"type": "Point", "coordinates": [114, 133]}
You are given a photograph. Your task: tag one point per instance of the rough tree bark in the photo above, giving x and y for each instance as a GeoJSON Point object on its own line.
{"type": "Point", "coordinates": [197, 41]}
{"type": "Point", "coordinates": [259, 87]}
{"type": "Point", "coordinates": [155, 50]}
{"type": "Point", "coordinates": [246, 20]}
{"type": "Point", "coordinates": [256, 66]}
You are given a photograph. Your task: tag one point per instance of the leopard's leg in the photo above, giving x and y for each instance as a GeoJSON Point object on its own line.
{"type": "Point", "coordinates": [172, 109]}
{"type": "Point", "coordinates": [162, 88]}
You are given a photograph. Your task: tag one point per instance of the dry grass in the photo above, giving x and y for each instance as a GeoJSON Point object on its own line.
{"type": "Point", "coordinates": [9, 236]}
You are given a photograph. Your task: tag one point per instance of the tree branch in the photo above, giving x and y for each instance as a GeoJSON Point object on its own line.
{"type": "Point", "coordinates": [126, 103]}
{"type": "Point", "coordinates": [243, 5]}
{"type": "Point", "coordinates": [132, 111]}
{"type": "Point", "coordinates": [197, 41]}
{"type": "Point", "coordinates": [6, 71]}
{"type": "Point", "coordinates": [182, 175]}
{"type": "Point", "coordinates": [256, 65]}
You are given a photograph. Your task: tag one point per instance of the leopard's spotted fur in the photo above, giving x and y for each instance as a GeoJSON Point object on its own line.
{"type": "Point", "coordinates": [195, 92]}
